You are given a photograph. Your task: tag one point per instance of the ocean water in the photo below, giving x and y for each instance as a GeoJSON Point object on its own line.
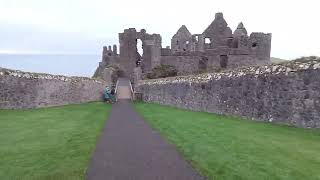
{"type": "Point", "coordinates": [70, 65]}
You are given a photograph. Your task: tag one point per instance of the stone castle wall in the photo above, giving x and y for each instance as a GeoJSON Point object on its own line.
{"type": "Point", "coordinates": [193, 64]}
{"type": "Point", "coordinates": [215, 49]}
{"type": "Point", "coordinates": [20, 90]}
{"type": "Point", "coordinates": [183, 64]}
{"type": "Point", "coordinates": [236, 61]}
{"type": "Point", "coordinates": [284, 93]}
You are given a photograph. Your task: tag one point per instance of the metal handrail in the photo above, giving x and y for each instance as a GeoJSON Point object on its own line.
{"type": "Point", "coordinates": [131, 89]}
{"type": "Point", "coordinates": [115, 91]}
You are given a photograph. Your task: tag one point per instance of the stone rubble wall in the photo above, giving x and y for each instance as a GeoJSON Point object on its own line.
{"type": "Point", "coordinates": [183, 64]}
{"type": "Point", "coordinates": [189, 63]}
{"type": "Point", "coordinates": [287, 93]}
{"type": "Point", "coordinates": [23, 90]}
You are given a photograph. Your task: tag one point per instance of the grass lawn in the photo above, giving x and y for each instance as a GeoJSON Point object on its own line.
{"type": "Point", "coordinates": [225, 148]}
{"type": "Point", "coordinates": [49, 143]}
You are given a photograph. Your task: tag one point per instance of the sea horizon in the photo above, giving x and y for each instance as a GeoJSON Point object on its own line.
{"type": "Point", "coordinates": [67, 64]}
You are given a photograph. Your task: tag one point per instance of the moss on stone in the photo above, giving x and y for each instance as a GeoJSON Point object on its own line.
{"type": "Point", "coordinates": [162, 71]}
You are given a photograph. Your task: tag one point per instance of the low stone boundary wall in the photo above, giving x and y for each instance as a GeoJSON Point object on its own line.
{"type": "Point", "coordinates": [20, 90]}
{"type": "Point", "coordinates": [287, 93]}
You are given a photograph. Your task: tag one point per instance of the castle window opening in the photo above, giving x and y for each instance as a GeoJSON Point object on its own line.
{"type": "Point", "coordinates": [207, 41]}
{"type": "Point", "coordinates": [139, 47]}
{"type": "Point", "coordinates": [254, 45]}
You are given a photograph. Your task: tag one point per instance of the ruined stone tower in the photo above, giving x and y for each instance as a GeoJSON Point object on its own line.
{"type": "Point", "coordinates": [217, 47]}
{"type": "Point", "coordinates": [129, 56]}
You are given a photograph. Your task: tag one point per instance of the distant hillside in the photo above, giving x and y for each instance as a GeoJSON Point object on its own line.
{"type": "Point", "coordinates": [277, 60]}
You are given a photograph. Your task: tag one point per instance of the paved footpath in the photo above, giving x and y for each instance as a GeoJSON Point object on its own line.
{"type": "Point", "coordinates": [129, 149]}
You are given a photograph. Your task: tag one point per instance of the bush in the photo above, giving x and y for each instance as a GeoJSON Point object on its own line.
{"type": "Point", "coordinates": [162, 71]}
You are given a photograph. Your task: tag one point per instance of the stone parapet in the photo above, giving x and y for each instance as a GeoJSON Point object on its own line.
{"type": "Point", "coordinates": [285, 93]}
{"type": "Point", "coordinates": [21, 90]}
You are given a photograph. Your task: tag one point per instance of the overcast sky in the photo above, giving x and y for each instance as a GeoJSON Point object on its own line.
{"type": "Point", "coordinates": [84, 26]}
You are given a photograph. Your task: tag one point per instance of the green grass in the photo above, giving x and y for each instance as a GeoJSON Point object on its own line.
{"type": "Point", "coordinates": [49, 143]}
{"type": "Point", "coordinates": [277, 60]}
{"type": "Point", "coordinates": [224, 148]}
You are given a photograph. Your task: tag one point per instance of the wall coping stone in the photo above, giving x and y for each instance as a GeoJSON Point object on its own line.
{"type": "Point", "coordinates": [32, 75]}
{"type": "Point", "coordinates": [307, 63]}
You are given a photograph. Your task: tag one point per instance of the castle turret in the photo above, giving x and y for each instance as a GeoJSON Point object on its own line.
{"type": "Point", "coordinates": [260, 45]}
{"type": "Point", "coordinates": [114, 49]}
{"type": "Point", "coordinates": [240, 37]}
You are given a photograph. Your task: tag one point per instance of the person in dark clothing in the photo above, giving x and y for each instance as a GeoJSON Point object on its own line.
{"type": "Point", "coordinates": [112, 95]}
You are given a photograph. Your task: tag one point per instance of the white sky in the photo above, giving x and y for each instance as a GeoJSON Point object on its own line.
{"type": "Point", "coordinates": [84, 26]}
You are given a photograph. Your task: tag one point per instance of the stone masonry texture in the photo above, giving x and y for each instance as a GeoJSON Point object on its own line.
{"type": "Point", "coordinates": [217, 47]}
{"type": "Point", "coordinates": [23, 90]}
{"type": "Point", "coordinates": [287, 93]}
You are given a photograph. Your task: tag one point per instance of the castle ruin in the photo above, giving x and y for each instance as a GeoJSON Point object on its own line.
{"type": "Point", "coordinates": [217, 47]}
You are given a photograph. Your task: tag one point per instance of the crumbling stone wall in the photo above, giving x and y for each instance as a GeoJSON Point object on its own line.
{"type": "Point", "coordinates": [222, 48]}
{"type": "Point", "coordinates": [110, 58]}
{"type": "Point", "coordinates": [184, 64]}
{"type": "Point", "coordinates": [217, 45]}
{"type": "Point", "coordinates": [236, 61]}
{"type": "Point", "coordinates": [284, 93]}
{"type": "Point", "coordinates": [218, 32]}
{"type": "Point", "coordinates": [151, 45]}
{"type": "Point", "coordinates": [20, 90]}
{"type": "Point", "coordinates": [182, 40]}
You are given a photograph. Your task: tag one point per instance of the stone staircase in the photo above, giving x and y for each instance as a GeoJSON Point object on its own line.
{"type": "Point", "coordinates": [123, 89]}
